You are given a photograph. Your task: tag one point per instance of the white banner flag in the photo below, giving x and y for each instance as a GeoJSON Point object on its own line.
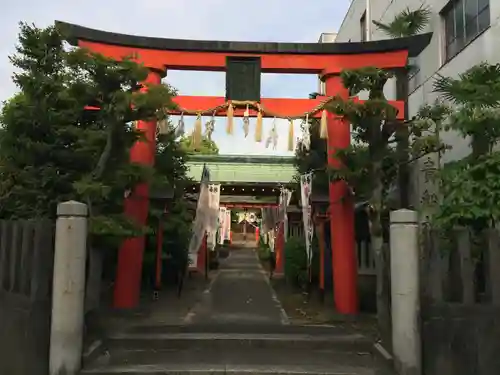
{"type": "Point", "coordinates": [284, 202]}
{"type": "Point", "coordinates": [305, 198]}
{"type": "Point", "coordinates": [201, 219]}
{"type": "Point", "coordinates": [227, 228]}
{"type": "Point", "coordinates": [222, 225]}
{"type": "Point", "coordinates": [212, 214]}
{"type": "Point", "coordinates": [270, 236]}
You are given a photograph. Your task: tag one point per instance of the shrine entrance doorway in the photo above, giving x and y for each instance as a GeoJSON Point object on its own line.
{"type": "Point", "coordinates": [244, 62]}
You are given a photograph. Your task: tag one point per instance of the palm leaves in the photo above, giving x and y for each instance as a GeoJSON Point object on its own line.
{"type": "Point", "coordinates": [478, 86]}
{"type": "Point", "coordinates": [407, 23]}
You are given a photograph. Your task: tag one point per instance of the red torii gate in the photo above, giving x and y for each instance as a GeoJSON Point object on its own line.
{"type": "Point", "coordinates": [327, 60]}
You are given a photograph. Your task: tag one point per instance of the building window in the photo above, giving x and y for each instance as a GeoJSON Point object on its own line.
{"type": "Point", "coordinates": [362, 26]}
{"type": "Point", "coordinates": [463, 21]}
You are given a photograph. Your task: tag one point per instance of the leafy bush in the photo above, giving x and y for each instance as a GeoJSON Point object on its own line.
{"type": "Point", "coordinates": [296, 262]}
{"type": "Point", "coordinates": [264, 251]}
{"type": "Point", "coordinates": [315, 263]}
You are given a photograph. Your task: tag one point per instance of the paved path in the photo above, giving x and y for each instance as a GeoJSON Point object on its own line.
{"type": "Point", "coordinates": [240, 293]}
{"type": "Point", "coordinates": [237, 326]}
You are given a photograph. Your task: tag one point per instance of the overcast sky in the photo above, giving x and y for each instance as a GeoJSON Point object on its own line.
{"type": "Point", "coordinates": [258, 20]}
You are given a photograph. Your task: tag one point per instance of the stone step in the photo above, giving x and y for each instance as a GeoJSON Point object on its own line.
{"type": "Point", "coordinates": [316, 330]}
{"type": "Point", "coordinates": [238, 353]}
{"type": "Point", "coordinates": [211, 369]}
{"type": "Point", "coordinates": [164, 341]}
{"type": "Point", "coordinates": [235, 360]}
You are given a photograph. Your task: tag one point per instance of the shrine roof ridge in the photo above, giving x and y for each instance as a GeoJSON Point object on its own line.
{"type": "Point", "coordinates": [238, 159]}
{"type": "Point", "coordinates": [415, 44]}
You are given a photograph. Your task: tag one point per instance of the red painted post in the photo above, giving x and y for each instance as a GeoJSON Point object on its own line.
{"type": "Point", "coordinates": [341, 212]}
{"type": "Point", "coordinates": [130, 256]}
{"type": "Point", "coordinates": [257, 234]}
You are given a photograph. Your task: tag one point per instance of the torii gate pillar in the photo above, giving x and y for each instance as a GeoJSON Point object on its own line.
{"type": "Point", "coordinates": [341, 211]}
{"type": "Point", "coordinates": [327, 59]}
{"type": "Point", "coordinates": [129, 267]}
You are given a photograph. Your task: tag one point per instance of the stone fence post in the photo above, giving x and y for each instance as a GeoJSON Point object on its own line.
{"type": "Point", "coordinates": [68, 289]}
{"type": "Point", "coordinates": [404, 247]}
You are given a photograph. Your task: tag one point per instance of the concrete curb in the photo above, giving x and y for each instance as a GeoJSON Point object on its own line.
{"type": "Point", "coordinates": [92, 352]}
{"type": "Point", "coordinates": [383, 355]}
{"type": "Point", "coordinates": [340, 343]}
{"type": "Point", "coordinates": [285, 320]}
{"type": "Point", "coordinates": [210, 369]}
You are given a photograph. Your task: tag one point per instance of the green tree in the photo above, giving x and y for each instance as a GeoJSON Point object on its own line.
{"type": "Point", "coordinates": [475, 98]}
{"type": "Point", "coordinates": [405, 24]}
{"type": "Point", "coordinates": [372, 164]}
{"type": "Point", "coordinates": [172, 214]}
{"type": "Point", "coordinates": [469, 186]}
{"type": "Point", "coordinates": [313, 159]}
{"type": "Point", "coordinates": [207, 146]}
{"type": "Point", "coordinates": [369, 166]}
{"type": "Point", "coordinates": [52, 148]}
{"type": "Point", "coordinates": [296, 272]}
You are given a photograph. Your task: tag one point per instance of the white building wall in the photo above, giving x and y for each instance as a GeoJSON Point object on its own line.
{"type": "Point", "coordinates": [485, 48]}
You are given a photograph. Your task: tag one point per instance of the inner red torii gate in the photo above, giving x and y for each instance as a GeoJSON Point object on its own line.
{"type": "Point", "coordinates": [327, 60]}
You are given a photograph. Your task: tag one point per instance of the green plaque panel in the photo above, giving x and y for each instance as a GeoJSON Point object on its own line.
{"type": "Point", "coordinates": [243, 78]}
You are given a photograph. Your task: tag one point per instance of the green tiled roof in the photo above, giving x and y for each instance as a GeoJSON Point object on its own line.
{"type": "Point", "coordinates": [243, 169]}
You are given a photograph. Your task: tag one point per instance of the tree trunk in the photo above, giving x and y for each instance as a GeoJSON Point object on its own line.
{"type": "Point", "coordinates": [106, 154]}
{"type": "Point", "coordinates": [480, 145]}
{"type": "Point", "coordinates": [94, 279]}
{"type": "Point", "coordinates": [379, 252]}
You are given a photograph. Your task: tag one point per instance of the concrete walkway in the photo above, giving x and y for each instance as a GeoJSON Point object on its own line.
{"type": "Point", "coordinates": [237, 326]}
{"type": "Point", "coordinates": [239, 294]}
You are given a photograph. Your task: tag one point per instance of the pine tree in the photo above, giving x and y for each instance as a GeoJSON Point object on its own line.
{"type": "Point", "coordinates": [313, 159]}
{"type": "Point", "coordinates": [370, 166]}
{"type": "Point", "coordinates": [406, 24]}
{"type": "Point", "coordinates": [53, 148]}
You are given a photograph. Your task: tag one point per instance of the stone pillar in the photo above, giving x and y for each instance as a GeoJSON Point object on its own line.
{"type": "Point", "coordinates": [341, 210]}
{"type": "Point", "coordinates": [130, 255]}
{"type": "Point", "coordinates": [405, 297]}
{"type": "Point", "coordinates": [68, 290]}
